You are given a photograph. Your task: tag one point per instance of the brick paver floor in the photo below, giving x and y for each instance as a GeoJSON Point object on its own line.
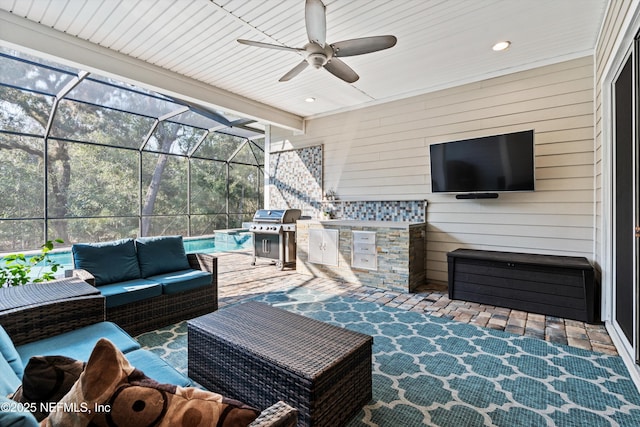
{"type": "Point", "coordinates": [238, 279]}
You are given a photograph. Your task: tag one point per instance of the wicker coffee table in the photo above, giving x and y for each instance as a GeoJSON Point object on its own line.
{"type": "Point", "coordinates": [260, 354]}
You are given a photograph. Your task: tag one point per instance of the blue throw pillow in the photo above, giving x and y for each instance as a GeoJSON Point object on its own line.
{"type": "Point", "coordinates": [161, 254]}
{"type": "Point", "coordinates": [108, 262]}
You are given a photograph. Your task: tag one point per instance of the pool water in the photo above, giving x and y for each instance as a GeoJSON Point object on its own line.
{"type": "Point", "coordinates": [222, 242]}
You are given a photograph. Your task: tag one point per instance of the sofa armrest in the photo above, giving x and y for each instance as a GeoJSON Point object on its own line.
{"type": "Point", "coordinates": [35, 322]}
{"type": "Point", "coordinates": [83, 275]}
{"type": "Point", "coordinates": [39, 310]}
{"type": "Point", "coordinates": [277, 415]}
{"type": "Point", "coordinates": [204, 262]}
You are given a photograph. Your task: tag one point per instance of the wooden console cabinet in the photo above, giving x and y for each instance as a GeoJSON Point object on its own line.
{"type": "Point", "coordinates": [547, 284]}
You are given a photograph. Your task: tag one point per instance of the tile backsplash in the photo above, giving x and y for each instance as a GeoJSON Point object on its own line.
{"type": "Point", "coordinates": [296, 182]}
{"type": "Point", "coordinates": [401, 210]}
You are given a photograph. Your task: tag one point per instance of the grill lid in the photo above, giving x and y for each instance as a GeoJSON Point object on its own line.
{"type": "Point", "coordinates": [284, 216]}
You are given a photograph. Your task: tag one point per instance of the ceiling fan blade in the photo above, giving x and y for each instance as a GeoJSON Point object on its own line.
{"type": "Point", "coordinates": [316, 21]}
{"type": "Point", "coordinates": [269, 45]}
{"type": "Point", "coordinates": [341, 70]}
{"type": "Point", "coordinates": [294, 71]}
{"type": "Point", "coordinates": [363, 45]}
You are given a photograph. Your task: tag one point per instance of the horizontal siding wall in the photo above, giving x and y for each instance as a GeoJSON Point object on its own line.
{"type": "Point", "coordinates": [382, 153]}
{"type": "Point", "coordinates": [611, 29]}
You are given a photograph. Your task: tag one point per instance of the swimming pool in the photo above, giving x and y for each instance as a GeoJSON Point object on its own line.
{"type": "Point", "coordinates": [220, 242]}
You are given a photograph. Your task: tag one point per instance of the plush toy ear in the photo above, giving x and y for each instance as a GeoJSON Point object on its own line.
{"type": "Point", "coordinates": [106, 369]}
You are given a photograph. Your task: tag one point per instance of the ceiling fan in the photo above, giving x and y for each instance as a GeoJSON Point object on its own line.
{"type": "Point", "coordinates": [321, 54]}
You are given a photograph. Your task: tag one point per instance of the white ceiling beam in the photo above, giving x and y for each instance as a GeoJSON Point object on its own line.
{"type": "Point", "coordinates": [20, 33]}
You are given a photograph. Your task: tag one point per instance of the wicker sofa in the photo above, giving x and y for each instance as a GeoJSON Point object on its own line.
{"type": "Point", "coordinates": [66, 317]}
{"type": "Point", "coordinates": [148, 282]}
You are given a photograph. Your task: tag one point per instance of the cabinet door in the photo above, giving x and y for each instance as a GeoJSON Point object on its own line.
{"type": "Point", "coordinates": [316, 241]}
{"type": "Point", "coordinates": [330, 246]}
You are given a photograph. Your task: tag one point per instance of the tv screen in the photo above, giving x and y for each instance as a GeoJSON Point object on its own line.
{"type": "Point", "coordinates": [489, 164]}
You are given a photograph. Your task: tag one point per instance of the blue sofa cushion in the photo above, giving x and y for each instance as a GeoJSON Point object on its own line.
{"type": "Point", "coordinates": [9, 381]}
{"type": "Point", "coordinates": [108, 262]}
{"type": "Point", "coordinates": [161, 254]}
{"type": "Point", "coordinates": [15, 417]}
{"type": "Point", "coordinates": [130, 291]}
{"type": "Point", "coordinates": [78, 344]}
{"type": "Point", "coordinates": [181, 281]}
{"type": "Point", "coordinates": [156, 368]}
{"type": "Point", "coordinates": [10, 354]}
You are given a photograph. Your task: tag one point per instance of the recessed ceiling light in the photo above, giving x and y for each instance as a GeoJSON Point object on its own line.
{"type": "Point", "coordinates": [501, 46]}
{"type": "Point", "coordinates": [310, 99]}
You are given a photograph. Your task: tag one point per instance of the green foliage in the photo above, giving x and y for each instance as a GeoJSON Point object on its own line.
{"type": "Point", "coordinates": [17, 268]}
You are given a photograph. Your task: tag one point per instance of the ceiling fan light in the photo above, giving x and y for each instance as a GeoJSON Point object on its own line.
{"type": "Point", "coordinates": [317, 60]}
{"type": "Point", "coordinates": [500, 46]}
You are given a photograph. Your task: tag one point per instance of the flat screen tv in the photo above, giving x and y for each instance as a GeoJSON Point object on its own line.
{"type": "Point", "coordinates": [489, 164]}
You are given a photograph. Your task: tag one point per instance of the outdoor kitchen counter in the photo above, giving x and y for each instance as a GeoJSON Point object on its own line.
{"type": "Point", "coordinates": [332, 248]}
{"type": "Point", "coordinates": [402, 225]}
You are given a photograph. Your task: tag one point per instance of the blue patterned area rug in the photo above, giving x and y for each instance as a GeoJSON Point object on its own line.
{"type": "Point", "coordinates": [437, 372]}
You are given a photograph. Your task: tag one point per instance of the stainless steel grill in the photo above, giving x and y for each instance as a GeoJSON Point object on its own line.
{"type": "Point", "coordinates": [274, 235]}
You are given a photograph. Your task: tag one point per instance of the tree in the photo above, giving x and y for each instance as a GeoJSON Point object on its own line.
{"type": "Point", "coordinates": [165, 137]}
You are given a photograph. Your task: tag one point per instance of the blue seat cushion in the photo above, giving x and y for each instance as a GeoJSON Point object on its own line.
{"type": "Point", "coordinates": [130, 291]}
{"type": "Point", "coordinates": [108, 262]}
{"type": "Point", "coordinates": [161, 254]}
{"type": "Point", "coordinates": [182, 281]}
{"type": "Point", "coordinates": [9, 381]}
{"type": "Point", "coordinates": [10, 354]}
{"type": "Point", "coordinates": [156, 368]}
{"type": "Point", "coordinates": [78, 344]}
{"type": "Point", "coordinates": [15, 417]}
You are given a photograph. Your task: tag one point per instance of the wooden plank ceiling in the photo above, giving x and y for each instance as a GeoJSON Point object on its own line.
{"type": "Point", "coordinates": [441, 43]}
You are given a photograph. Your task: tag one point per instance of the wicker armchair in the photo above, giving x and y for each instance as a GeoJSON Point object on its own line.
{"type": "Point", "coordinates": [153, 313]}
